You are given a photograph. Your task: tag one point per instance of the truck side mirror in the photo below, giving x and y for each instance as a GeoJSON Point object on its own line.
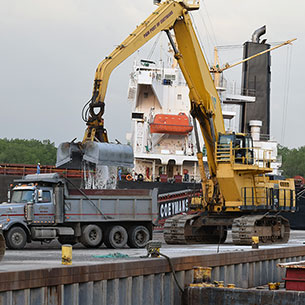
{"type": "Point", "coordinates": [39, 195]}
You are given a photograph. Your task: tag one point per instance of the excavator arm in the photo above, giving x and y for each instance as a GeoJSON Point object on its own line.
{"type": "Point", "coordinates": [205, 103]}
{"type": "Point", "coordinates": [171, 14]}
{"type": "Point", "coordinates": [163, 18]}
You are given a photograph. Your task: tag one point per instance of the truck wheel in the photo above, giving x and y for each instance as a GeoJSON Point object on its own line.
{"type": "Point", "coordinates": [138, 236]}
{"type": "Point", "coordinates": [15, 238]}
{"type": "Point", "coordinates": [67, 239]}
{"type": "Point", "coordinates": [116, 237]}
{"type": "Point", "coordinates": [92, 236]}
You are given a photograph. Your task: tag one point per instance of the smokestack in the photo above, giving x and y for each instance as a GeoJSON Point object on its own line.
{"type": "Point", "coordinates": [255, 127]}
{"type": "Point", "coordinates": [256, 76]}
{"type": "Point", "coordinates": [258, 33]}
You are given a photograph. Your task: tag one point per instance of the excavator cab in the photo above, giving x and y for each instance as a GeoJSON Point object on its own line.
{"type": "Point", "coordinates": [239, 145]}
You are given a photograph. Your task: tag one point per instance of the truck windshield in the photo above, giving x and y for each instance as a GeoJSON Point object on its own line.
{"type": "Point", "coordinates": [22, 196]}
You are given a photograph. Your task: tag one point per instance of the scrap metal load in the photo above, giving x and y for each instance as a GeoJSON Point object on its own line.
{"type": "Point", "coordinates": [71, 155]}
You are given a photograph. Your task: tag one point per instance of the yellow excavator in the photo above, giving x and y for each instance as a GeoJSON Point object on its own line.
{"type": "Point", "coordinates": [236, 191]}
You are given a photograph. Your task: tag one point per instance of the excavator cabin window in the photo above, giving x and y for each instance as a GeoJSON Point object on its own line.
{"type": "Point", "coordinates": [242, 147]}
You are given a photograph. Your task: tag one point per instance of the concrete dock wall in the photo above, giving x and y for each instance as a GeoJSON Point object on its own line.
{"type": "Point", "coordinates": [141, 281]}
{"type": "Point", "coordinates": [225, 296]}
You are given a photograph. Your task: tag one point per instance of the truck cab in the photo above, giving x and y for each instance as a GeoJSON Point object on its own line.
{"type": "Point", "coordinates": [37, 202]}
{"type": "Point", "coordinates": [29, 203]}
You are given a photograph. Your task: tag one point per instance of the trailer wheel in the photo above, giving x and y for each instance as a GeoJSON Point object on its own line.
{"type": "Point", "coordinates": [116, 237]}
{"type": "Point", "coordinates": [15, 238]}
{"type": "Point", "coordinates": [67, 239]}
{"type": "Point", "coordinates": [138, 236]}
{"type": "Point", "coordinates": [92, 236]}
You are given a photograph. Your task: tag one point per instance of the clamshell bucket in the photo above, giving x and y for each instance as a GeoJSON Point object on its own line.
{"type": "Point", "coordinates": [71, 155]}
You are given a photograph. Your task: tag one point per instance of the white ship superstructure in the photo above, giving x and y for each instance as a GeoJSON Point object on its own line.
{"type": "Point", "coordinates": [162, 134]}
{"type": "Point", "coordinates": [164, 149]}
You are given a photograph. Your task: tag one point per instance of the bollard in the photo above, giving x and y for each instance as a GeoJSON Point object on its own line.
{"type": "Point", "coordinates": [202, 274]}
{"type": "Point", "coordinates": [198, 274]}
{"type": "Point", "coordinates": [231, 285]}
{"type": "Point", "coordinates": [207, 272]}
{"type": "Point", "coordinates": [274, 286]}
{"type": "Point", "coordinates": [66, 255]}
{"type": "Point", "coordinates": [255, 241]}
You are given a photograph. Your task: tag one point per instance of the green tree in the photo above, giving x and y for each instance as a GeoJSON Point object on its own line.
{"type": "Point", "coordinates": [293, 161]}
{"type": "Point", "coordinates": [22, 151]}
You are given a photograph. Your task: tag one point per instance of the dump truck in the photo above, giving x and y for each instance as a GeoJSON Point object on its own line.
{"type": "Point", "coordinates": [44, 207]}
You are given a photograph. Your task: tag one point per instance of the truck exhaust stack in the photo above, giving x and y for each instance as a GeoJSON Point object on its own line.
{"type": "Point", "coordinates": [71, 155]}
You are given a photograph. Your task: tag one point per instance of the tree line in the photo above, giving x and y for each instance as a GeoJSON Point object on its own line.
{"type": "Point", "coordinates": [21, 151]}
{"type": "Point", "coordinates": [293, 161]}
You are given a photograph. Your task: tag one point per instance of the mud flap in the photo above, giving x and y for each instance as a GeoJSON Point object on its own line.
{"type": "Point", "coordinates": [2, 246]}
{"type": "Point", "coordinates": [71, 155]}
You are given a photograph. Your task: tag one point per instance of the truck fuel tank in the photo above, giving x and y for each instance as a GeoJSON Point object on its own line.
{"type": "Point", "coordinates": [71, 155]}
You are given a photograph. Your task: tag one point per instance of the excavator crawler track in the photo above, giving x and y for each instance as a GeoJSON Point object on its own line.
{"type": "Point", "coordinates": [186, 229]}
{"type": "Point", "coordinates": [270, 229]}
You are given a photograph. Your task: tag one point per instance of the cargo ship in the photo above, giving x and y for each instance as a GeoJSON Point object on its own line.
{"type": "Point", "coordinates": [162, 134]}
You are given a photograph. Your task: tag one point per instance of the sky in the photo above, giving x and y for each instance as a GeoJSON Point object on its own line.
{"type": "Point", "coordinates": [51, 48]}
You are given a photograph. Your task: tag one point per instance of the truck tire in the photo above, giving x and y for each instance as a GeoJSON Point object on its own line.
{"type": "Point", "coordinates": [16, 238]}
{"type": "Point", "coordinates": [116, 237]}
{"type": "Point", "coordinates": [92, 236]}
{"type": "Point", "coordinates": [138, 236]}
{"type": "Point", "coordinates": [67, 239]}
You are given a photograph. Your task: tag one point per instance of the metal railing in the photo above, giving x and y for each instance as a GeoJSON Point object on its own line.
{"type": "Point", "coordinates": [249, 156]}
{"type": "Point", "coordinates": [268, 198]}
{"type": "Point", "coordinates": [26, 169]}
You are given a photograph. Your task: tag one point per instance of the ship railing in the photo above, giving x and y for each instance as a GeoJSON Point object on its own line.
{"type": "Point", "coordinates": [26, 169]}
{"type": "Point", "coordinates": [231, 88]}
{"type": "Point", "coordinates": [264, 137]}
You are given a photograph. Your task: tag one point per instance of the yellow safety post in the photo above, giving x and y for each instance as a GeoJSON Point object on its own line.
{"type": "Point", "coordinates": [255, 241]}
{"type": "Point", "coordinates": [231, 285]}
{"type": "Point", "coordinates": [274, 286]}
{"type": "Point", "coordinates": [66, 254]}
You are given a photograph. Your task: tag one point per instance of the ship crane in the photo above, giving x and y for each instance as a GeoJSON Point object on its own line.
{"type": "Point", "coordinates": [217, 70]}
